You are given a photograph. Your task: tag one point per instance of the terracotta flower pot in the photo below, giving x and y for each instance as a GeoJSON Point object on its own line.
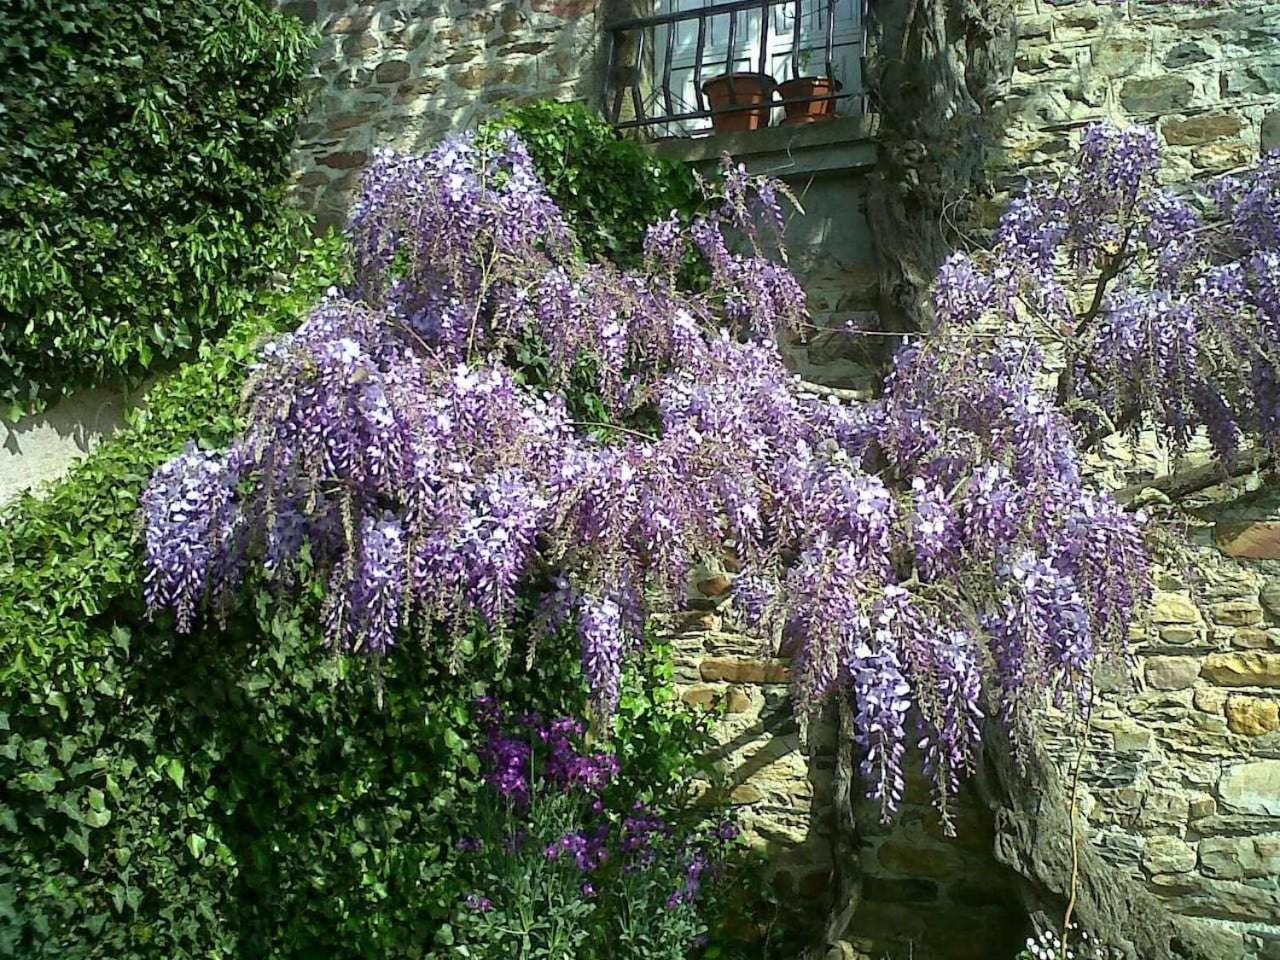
{"type": "Point", "coordinates": [814, 110]}
{"type": "Point", "coordinates": [740, 90]}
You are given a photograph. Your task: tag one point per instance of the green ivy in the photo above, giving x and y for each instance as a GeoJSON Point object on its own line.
{"type": "Point", "coordinates": [142, 181]}
{"type": "Point", "coordinates": [110, 729]}
{"type": "Point", "coordinates": [609, 187]}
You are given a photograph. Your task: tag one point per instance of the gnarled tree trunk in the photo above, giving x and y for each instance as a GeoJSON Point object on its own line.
{"type": "Point", "coordinates": [937, 70]}
{"type": "Point", "coordinates": [1033, 813]}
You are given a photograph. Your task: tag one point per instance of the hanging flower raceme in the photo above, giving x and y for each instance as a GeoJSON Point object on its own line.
{"type": "Point", "coordinates": [421, 442]}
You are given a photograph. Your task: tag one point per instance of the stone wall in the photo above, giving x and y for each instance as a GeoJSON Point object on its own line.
{"type": "Point", "coordinates": [1179, 785]}
{"type": "Point", "coordinates": [1207, 77]}
{"type": "Point", "coordinates": [403, 73]}
{"type": "Point", "coordinates": [1180, 781]}
{"type": "Point", "coordinates": [924, 894]}
{"type": "Point", "coordinates": [1181, 776]}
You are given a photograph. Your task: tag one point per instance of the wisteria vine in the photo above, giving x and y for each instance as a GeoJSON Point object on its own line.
{"type": "Point", "coordinates": [937, 554]}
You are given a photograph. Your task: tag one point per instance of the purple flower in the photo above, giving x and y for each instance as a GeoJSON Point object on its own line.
{"type": "Point", "coordinates": [478, 903]}
{"type": "Point", "coordinates": [600, 627]}
{"type": "Point", "coordinates": [191, 538]}
{"type": "Point", "coordinates": [507, 766]}
{"type": "Point", "coordinates": [909, 551]}
{"type": "Point", "coordinates": [516, 840]}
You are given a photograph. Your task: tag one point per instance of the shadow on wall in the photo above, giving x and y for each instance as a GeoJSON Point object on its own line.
{"type": "Point", "coordinates": [925, 896]}
{"type": "Point", "coordinates": [40, 448]}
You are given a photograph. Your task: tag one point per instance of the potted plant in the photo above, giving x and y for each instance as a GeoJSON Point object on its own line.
{"type": "Point", "coordinates": [753, 90]}
{"type": "Point", "coordinates": [805, 87]}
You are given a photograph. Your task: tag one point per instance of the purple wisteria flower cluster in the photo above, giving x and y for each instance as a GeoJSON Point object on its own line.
{"type": "Point", "coordinates": [936, 554]}
{"type": "Point", "coordinates": [1166, 302]}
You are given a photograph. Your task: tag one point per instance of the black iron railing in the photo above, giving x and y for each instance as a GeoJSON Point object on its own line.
{"type": "Point", "coordinates": [659, 66]}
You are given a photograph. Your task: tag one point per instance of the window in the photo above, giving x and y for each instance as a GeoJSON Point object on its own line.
{"type": "Point", "coordinates": [659, 64]}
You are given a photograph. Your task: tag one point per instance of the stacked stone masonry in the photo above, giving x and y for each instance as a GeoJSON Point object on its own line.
{"type": "Point", "coordinates": [1205, 76]}
{"type": "Point", "coordinates": [403, 73]}
{"type": "Point", "coordinates": [1180, 780]}
{"type": "Point", "coordinates": [924, 894]}
{"type": "Point", "coordinates": [1181, 775]}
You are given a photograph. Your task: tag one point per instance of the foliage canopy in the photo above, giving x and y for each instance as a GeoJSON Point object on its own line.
{"type": "Point", "coordinates": [608, 188]}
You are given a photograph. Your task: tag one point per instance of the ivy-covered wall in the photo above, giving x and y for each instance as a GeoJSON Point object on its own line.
{"type": "Point", "coordinates": [142, 182]}
{"type": "Point", "coordinates": [142, 202]}
{"type": "Point", "coordinates": [108, 745]}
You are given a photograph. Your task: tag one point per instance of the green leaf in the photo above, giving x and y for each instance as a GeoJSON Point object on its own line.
{"type": "Point", "coordinates": [40, 781]}
{"type": "Point", "coordinates": [177, 773]}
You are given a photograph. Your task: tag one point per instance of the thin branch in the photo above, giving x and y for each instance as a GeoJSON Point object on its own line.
{"type": "Point", "coordinates": [1186, 482]}
{"type": "Point", "coordinates": [1120, 424]}
{"type": "Point", "coordinates": [1074, 814]}
{"type": "Point", "coordinates": [594, 424]}
{"type": "Point", "coordinates": [1122, 257]}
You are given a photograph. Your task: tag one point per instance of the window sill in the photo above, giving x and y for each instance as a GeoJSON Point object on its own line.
{"type": "Point", "coordinates": [842, 144]}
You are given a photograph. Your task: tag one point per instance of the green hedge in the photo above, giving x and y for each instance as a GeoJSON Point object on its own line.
{"type": "Point", "coordinates": [105, 805]}
{"type": "Point", "coordinates": [142, 179]}
{"type": "Point", "coordinates": [609, 188]}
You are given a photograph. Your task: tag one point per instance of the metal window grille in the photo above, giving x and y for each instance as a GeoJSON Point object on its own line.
{"type": "Point", "coordinates": [659, 66]}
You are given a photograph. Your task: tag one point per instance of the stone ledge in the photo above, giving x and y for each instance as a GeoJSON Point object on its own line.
{"type": "Point", "coordinates": [745, 670]}
{"type": "Point", "coordinates": [1254, 540]}
{"type": "Point", "coordinates": [842, 144]}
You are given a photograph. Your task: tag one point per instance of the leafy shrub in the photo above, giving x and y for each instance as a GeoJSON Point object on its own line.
{"type": "Point", "coordinates": [100, 824]}
{"type": "Point", "coordinates": [609, 188]}
{"type": "Point", "coordinates": [247, 794]}
{"type": "Point", "coordinates": [565, 863]}
{"type": "Point", "coordinates": [142, 184]}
